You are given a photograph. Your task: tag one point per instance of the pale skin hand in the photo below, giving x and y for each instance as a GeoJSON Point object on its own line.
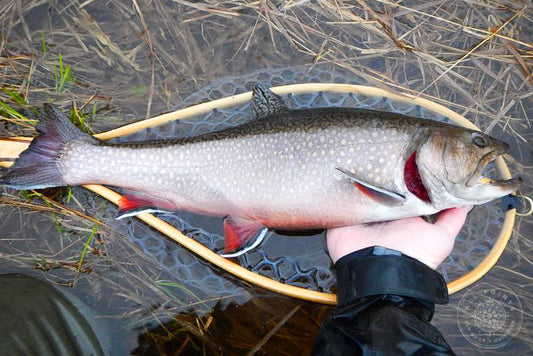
{"type": "Point", "coordinates": [428, 243]}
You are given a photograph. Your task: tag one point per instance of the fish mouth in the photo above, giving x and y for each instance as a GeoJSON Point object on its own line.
{"type": "Point", "coordinates": [511, 184]}
{"type": "Point", "coordinates": [478, 179]}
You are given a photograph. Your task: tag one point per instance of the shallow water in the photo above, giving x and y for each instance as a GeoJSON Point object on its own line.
{"type": "Point", "coordinates": [144, 283]}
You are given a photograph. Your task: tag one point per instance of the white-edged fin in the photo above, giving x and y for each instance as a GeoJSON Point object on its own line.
{"type": "Point", "coordinates": [129, 213]}
{"type": "Point", "coordinates": [256, 243]}
{"type": "Point", "coordinates": [140, 203]}
{"type": "Point", "coordinates": [373, 191]}
{"type": "Point", "coordinates": [241, 234]}
{"type": "Point", "coordinates": [265, 102]}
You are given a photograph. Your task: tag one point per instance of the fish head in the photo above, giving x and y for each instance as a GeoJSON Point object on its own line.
{"type": "Point", "coordinates": [451, 163]}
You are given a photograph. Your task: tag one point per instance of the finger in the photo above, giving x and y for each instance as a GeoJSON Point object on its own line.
{"type": "Point", "coordinates": [452, 220]}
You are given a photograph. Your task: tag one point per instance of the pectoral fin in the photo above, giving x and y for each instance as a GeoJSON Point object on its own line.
{"type": "Point", "coordinates": [372, 191]}
{"type": "Point", "coordinates": [135, 204]}
{"type": "Point", "coordinates": [241, 235]}
{"type": "Point", "coordinates": [265, 102]}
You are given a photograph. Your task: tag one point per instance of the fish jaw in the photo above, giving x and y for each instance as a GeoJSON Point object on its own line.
{"type": "Point", "coordinates": [485, 190]}
{"type": "Point", "coordinates": [447, 194]}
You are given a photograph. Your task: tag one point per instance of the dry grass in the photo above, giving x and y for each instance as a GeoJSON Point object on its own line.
{"type": "Point", "coordinates": [129, 60]}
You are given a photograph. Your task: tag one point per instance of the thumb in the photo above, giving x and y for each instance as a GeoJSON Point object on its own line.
{"type": "Point", "coordinates": [452, 220]}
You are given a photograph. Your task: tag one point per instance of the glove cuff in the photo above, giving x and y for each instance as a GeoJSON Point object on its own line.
{"type": "Point", "coordinates": [377, 270]}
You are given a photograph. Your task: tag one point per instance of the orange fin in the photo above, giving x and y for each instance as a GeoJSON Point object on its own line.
{"type": "Point", "coordinates": [241, 235]}
{"type": "Point", "coordinates": [135, 204]}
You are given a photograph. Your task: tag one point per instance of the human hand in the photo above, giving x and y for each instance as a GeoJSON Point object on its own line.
{"type": "Point", "coordinates": [414, 237]}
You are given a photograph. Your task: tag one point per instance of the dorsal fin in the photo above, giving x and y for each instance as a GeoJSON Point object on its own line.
{"type": "Point", "coordinates": [265, 102]}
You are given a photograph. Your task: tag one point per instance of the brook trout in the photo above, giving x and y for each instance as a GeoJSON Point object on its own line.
{"type": "Point", "coordinates": [286, 169]}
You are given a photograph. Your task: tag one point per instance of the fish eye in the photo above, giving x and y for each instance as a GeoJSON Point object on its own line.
{"type": "Point", "coordinates": [479, 140]}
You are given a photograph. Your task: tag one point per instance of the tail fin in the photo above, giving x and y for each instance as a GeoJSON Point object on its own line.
{"type": "Point", "coordinates": [38, 166]}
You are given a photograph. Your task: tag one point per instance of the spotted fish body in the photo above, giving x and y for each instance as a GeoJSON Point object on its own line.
{"type": "Point", "coordinates": [287, 169]}
{"type": "Point", "coordinates": [279, 171]}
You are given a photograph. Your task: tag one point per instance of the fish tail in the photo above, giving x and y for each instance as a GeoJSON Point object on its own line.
{"type": "Point", "coordinates": [39, 165]}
